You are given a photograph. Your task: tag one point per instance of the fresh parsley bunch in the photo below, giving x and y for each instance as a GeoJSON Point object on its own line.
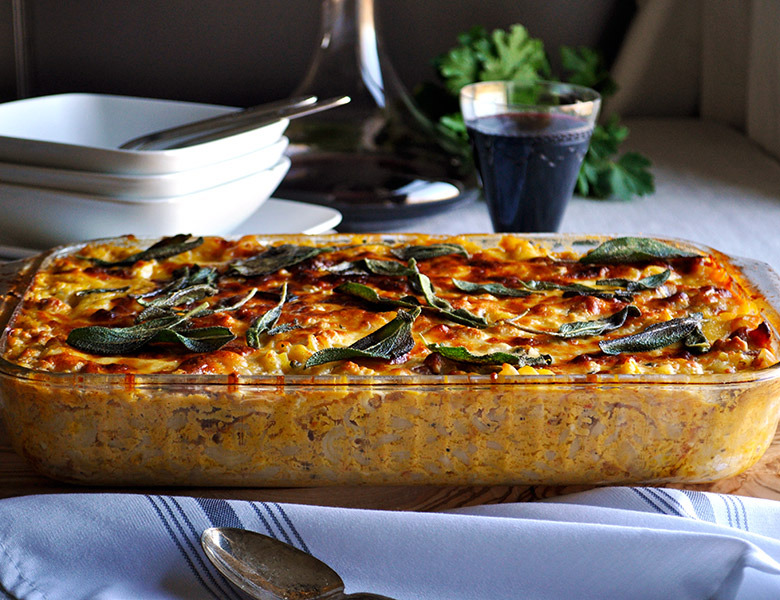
{"type": "Point", "coordinates": [514, 55]}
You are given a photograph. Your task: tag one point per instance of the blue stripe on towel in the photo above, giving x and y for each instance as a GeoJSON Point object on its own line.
{"type": "Point", "coordinates": [219, 512]}
{"type": "Point", "coordinates": [263, 520]}
{"type": "Point", "coordinates": [701, 505]}
{"type": "Point", "coordinates": [682, 511]}
{"type": "Point", "coordinates": [193, 543]}
{"type": "Point", "coordinates": [728, 510]}
{"type": "Point", "coordinates": [289, 522]}
{"type": "Point", "coordinates": [742, 508]}
{"type": "Point", "coordinates": [196, 536]}
{"type": "Point", "coordinates": [657, 502]}
{"type": "Point", "coordinates": [257, 506]}
{"type": "Point", "coordinates": [740, 516]}
{"type": "Point", "coordinates": [662, 502]}
{"type": "Point", "coordinates": [167, 526]}
{"type": "Point", "coordinates": [647, 500]}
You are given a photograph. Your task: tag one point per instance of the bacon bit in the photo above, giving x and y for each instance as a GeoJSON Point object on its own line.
{"type": "Point", "coordinates": [593, 305]}
{"type": "Point", "coordinates": [434, 362]}
{"type": "Point", "coordinates": [734, 342]}
{"type": "Point", "coordinates": [52, 304]}
{"type": "Point", "coordinates": [92, 367]}
{"type": "Point", "coordinates": [711, 290]}
{"type": "Point", "coordinates": [526, 341]}
{"type": "Point", "coordinates": [240, 349]}
{"type": "Point", "coordinates": [678, 300]}
{"type": "Point", "coordinates": [761, 336]}
{"type": "Point", "coordinates": [102, 315]}
{"type": "Point", "coordinates": [583, 271]}
{"type": "Point", "coordinates": [104, 273]}
{"type": "Point", "coordinates": [689, 265]}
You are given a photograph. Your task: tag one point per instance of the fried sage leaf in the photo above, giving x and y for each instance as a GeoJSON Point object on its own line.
{"type": "Point", "coordinates": [165, 248]}
{"type": "Point", "coordinates": [372, 266]}
{"type": "Point", "coordinates": [685, 329]}
{"type": "Point", "coordinates": [266, 322]}
{"type": "Point", "coordinates": [632, 249]}
{"type": "Point", "coordinates": [112, 341]}
{"type": "Point", "coordinates": [371, 296]}
{"type": "Point", "coordinates": [495, 289]}
{"type": "Point", "coordinates": [274, 259]}
{"type": "Point", "coordinates": [197, 339]}
{"type": "Point", "coordinates": [89, 292]}
{"type": "Point", "coordinates": [422, 283]}
{"type": "Point", "coordinates": [184, 277]}
{"type": "Point", "coordinates": [586, 328]}
{"type": "Point", "coordinates": [424, 252]}
{"type": "Point", "coordinates": [578, 289]}
{"type": "Point", "coordinates": [391, 341]}
{"type": "Point", "coordinates": [519, 358]}
{"type": "Point", "coordinates": [650, 282]}
{"type": "Point", "coordinates": [598, 326]}
{"type": "Point", "coordinates": [163, 305]}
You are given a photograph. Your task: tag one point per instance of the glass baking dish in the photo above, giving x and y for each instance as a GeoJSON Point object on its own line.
{"type": "Point", "coordinates": [296, 430]}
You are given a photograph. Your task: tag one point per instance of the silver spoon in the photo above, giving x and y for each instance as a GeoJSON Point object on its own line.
{"type": "Point", "coordinates": [232, 123]}
{"type": "Point", "coordinates": [268, 569]}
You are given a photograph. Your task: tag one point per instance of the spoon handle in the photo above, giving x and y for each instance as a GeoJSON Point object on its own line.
{"type": "Point", "coordinates": [292, 112]}
{"type": "Point", "coordinates": [158, 138]}
{"type": "Point", "coordinates": [366, 596]}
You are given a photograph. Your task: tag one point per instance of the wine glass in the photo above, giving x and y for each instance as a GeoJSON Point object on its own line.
{"type": "Point", "coordinates": [528, 140]}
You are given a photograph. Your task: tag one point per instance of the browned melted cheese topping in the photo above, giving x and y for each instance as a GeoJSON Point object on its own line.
{"type": "Point", "coordinates": [739, 337]}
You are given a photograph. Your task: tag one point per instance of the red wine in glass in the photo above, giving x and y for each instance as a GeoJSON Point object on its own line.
{"type": "Point", "coordinates": [528, 164]}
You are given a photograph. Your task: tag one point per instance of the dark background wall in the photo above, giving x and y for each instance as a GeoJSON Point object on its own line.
{"type": "Point", "coordinates": [241, 52]}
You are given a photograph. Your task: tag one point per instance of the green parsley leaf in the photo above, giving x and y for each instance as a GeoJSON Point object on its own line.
{"type": "Point", "coordinates": [585, 66]}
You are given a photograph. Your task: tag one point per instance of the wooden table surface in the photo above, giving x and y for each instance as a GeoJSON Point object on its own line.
{"type": "Point", "coordinates": [17, 479]}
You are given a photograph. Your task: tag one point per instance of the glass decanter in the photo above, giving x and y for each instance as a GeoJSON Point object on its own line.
{"type": "Point", "coordinates": [377, 158]}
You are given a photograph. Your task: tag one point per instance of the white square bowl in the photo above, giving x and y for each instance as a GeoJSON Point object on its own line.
{"type": "Point", "coordinates": [130, 187]}
{"type": "Point", "coordinates": [39, 218]}
{"type": "Point", "coordinates": [84, 132]}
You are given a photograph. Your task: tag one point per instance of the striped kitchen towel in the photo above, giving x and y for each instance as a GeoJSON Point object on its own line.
{"type": "Point", "coordinates": [633, 543]}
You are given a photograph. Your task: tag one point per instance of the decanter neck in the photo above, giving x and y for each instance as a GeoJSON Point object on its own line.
{"type": "Point", "coordinates": [348, 58]}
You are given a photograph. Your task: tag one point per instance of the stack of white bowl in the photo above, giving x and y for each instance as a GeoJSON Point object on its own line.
{"type": "Point", "coordinates": [64, 178]}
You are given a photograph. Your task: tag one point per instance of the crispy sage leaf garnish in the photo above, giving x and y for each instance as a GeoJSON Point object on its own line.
{"type": "Point", "coordinates": [577, 289]}
{"type": "Point", "coordinates": [371, 296]}
{"type": "Point", "coordinates": [422, 283]}
{"type": "Point", "coordinates": [430, 251]}
{"type": "Point", "coordinates": [112, 341]}
{"type": "Point", "coordinates": [496, 289]}
{"type": "Point", "coordinates": [118, 290]}
{"type": "Point", "coordinates": [197, 339]}
{"type": "Point", "coordinates": [162, 305]}
{"type": "Point", "coordinates": [633, 249]}
{"type": "Point", "coordinates": [230, 307]}
{"type": "Point", "coordinates": [391, 341]}
{"type": "Point", "coordinates": [275, 259]}
{"type": "Point", "coordinates": [184, 277]}
{"type": "Point", "coordinates": [586, 328]}
{"type": "Point", "coordinates": [372, 266]}
{"type": "Point", "coordinates": [284, 328]}
{"type": "Point", "coordinates": [165, 248]}
{"type": "Point", "coordinates": [598, 326]}
{"type": "Point", "coordinates": [686, 330]}
{"type": "Point", "coordinates": [519, 358]}
{"type": "Point", "coordinates": [266, 322]}
{"type": "Point", "coordinates": [650, 282]}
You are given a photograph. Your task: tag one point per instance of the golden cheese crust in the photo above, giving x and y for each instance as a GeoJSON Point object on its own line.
{"type": "Point", "coordinates": [75, 291]}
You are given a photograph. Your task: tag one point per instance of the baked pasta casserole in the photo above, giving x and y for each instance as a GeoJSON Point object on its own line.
{"type": "Point", "coordinates": [381, 359]}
